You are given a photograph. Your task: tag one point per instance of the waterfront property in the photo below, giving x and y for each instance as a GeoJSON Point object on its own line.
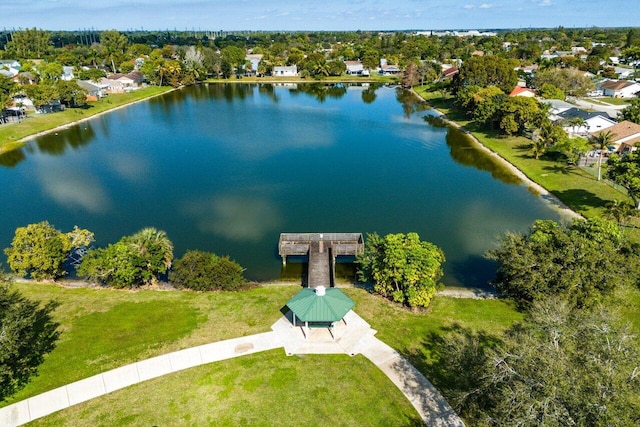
{"type": "Point", "coordinates": [225, 168]}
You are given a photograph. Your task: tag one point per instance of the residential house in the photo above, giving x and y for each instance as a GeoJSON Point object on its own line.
{"type": "Point", "coordinates": [120, 83]}
{"type": "Point", "coordinates": [10, 68]}
{"type": "Point", "coordinates": [450, 72]}
{"type": "Point", "coordinates": [67, 73]}
{"type": "Point", "coordinates": [625, 135]}
{"type": "Point", "coordinates": [387, 70]}
{"type": "Point", "coordinates": [579, 122]}
{"type": "Point", "coordinates": [619, 88]}
{"type": "Point", "coordinates": [556, 106]}
{"type": "Point", "coordinates": [356, 68]}
{"type": "Point", "coordinates": [623, 73]}
{"type": "Point", "coordinates": [94, 90]}
{"type": "Point", "coordinates": [523, 91]}
{"type": "Point", "coordinates": [285, 71]}
{"type": "Point", "coordinates": [254, 61]}
{"type": "Point", "coordinates": [21, 101]}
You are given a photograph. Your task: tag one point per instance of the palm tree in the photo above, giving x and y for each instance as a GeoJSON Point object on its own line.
{"type": "Point", "coordinates": [577, 122]}
{"type": "Point", "coordinates": [155, 248]}
{"type": "Point", "coordinates": [601, 140]}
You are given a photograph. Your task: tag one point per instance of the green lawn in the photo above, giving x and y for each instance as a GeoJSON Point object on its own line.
{"type": "Point", "coordinates": [614, 101]}
{"type": "Point", "coordinates": [11, 134]}
{"type": "Point", "coordinates": [104, 329]}
{"type": "Point", "coordinates": [577, 188]}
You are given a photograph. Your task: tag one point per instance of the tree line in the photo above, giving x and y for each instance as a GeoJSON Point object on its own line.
{"type": "Point", "coordinates": [41, 252]}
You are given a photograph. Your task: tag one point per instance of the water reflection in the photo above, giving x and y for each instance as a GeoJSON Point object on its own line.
{"type": "Point", "coordinates": [321, 91]}
{"type": "Point", "coordinates": [11, 158]}
{"type": "Point", "coordinates": [73, 188]}
{"type": "Point", "coordinates": [236, 218]}
{"type": "Point", "coordinates": [410, 102]}
{"type": "Point", "coordinates": [130, 167]}
{"type": "Point", "coordinates": [75, 137]}
{"type": "Point", "coordinates": [369, 94]}
{"type": "Point", "coordinates": [465, 152]}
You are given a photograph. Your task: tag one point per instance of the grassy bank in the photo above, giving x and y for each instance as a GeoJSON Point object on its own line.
{"type": "Point", "coordinates": [103, 329]}
{"type": "Point", "coordinates": [12, 134]}
{"type": "Point", "coordinates": [577, 188]}
{"type": "Point", "coordinates": [336, 79]}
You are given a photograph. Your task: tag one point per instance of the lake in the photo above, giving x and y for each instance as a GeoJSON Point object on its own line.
{"type": "Point", "coordinates": [228, 167]}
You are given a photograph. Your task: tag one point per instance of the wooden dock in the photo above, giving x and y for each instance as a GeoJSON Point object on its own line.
{"type": "Point", "coordinates": [322, 250]}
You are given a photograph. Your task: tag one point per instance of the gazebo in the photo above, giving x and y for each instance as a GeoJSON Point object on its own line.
{"type": "Point", "coordinates": [319, 308]}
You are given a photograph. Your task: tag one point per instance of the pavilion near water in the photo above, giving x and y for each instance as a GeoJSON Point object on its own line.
{"type": "Point", "coordinates": [319, 307]}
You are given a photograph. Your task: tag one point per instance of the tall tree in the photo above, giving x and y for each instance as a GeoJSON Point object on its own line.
{"type": "Point", "coordinates": [601, 141]}
{"type": "Point", "coordinates": [625, 171]}
{"type": "Point", "coordinates": [580, 262]}
{"type": "Point", "coordinates": [410, 75]}
{"type": "Point", "coordinates": [489, 70]}
{"type": "Point", "coordinates": [631, 112]}
{"type": "Point", "coordinates": [560, 367]}
{"type": "Point", "coordinates": [40, 251]}
{"type": "Point", "coordinates": [402, 267]}
{"type": "Point", "coordinates": [115, 45]}
{"type": "Point", "coordinates": [27, 333]}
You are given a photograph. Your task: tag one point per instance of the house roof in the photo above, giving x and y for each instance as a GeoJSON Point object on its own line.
{"type": "Point", "coordinates": [574, 112]}
{"type": "Point", "coordinates": [616, 84]}
{"type": "Point", "coordinates": [623, 130]}
{"type": "Point", "coordinates": [450, 71]}
{"type": "Point", "coordinates": [311, 305]}
{"type": "Point", "coordinates": [519, 90]}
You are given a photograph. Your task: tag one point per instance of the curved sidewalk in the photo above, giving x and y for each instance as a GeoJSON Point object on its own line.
{"type": "Point", "coordinates": [353, 336]}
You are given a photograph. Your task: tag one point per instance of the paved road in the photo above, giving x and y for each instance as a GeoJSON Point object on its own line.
{"type": "Point", "coordinates": [611, 110]}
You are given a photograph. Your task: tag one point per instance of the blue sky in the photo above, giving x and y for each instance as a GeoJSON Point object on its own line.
{"type": "Point", "coordinates": [316, 15]}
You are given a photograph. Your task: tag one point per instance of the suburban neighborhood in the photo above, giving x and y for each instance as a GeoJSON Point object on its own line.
{"type": "Point", "coordinates": [233, 184]}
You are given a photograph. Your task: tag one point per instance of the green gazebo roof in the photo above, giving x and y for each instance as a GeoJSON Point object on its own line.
{"type": "Point", "coordinates": [311, 306]}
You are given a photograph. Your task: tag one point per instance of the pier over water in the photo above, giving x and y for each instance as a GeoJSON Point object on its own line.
{"type": "Point", "coordinates": [322, 250]}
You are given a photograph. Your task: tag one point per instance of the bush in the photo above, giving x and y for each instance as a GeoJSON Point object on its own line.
{"type": "Point", "coordinates": [402, 267]}
{"type": "Point", "coordinates": [205, 271]}
{"type": "Point", "coordinates": [28, 333]}
{"type": "Point", "coordinates": [133, 261]}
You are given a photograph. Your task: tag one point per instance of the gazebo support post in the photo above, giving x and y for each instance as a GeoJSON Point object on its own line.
{"type": "Point", "coordinates": [306, 325]}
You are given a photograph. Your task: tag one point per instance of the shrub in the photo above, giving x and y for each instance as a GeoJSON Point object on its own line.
{"type": "Point", "coordinates": [205, 271]}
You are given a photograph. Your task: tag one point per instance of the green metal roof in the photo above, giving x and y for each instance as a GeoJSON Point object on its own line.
{"type": "Point", "coordinates": [330, 307]}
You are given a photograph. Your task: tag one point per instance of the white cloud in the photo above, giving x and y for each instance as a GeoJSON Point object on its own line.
{"type": "Point", "coordinates": [469, 6]}
{"type": "Point", "coordinates": [485, 6]}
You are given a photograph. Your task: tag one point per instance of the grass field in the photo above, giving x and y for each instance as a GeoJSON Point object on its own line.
{"type": "Point", "coordinates": [613, 101]}
{"type": "Point", "coordinates": [104, 329]}
{"type": "Point", "coordinates": [11, 134]}
{"type": "Point", "coordinates": [577, 188]}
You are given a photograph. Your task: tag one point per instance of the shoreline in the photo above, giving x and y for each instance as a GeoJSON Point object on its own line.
{"type": "Point", "coordinates": [20, 143]}
{"type": "Point", "coordinates": [545, 194]}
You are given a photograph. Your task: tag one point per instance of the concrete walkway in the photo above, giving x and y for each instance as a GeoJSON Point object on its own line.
{"type": "Point", "coordinates": [351, 336]}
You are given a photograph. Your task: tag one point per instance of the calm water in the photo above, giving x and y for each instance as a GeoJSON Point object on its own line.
{"type": "Point", "coordinates": [226, 168]}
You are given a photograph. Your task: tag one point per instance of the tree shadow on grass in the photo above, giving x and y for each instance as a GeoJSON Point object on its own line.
{"type": "Point", "coordinates": [433, 356]}
{"type": "Point", "coordinates": [560, 169]}
{"type": "Point", "coordinates": [579, 199]}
